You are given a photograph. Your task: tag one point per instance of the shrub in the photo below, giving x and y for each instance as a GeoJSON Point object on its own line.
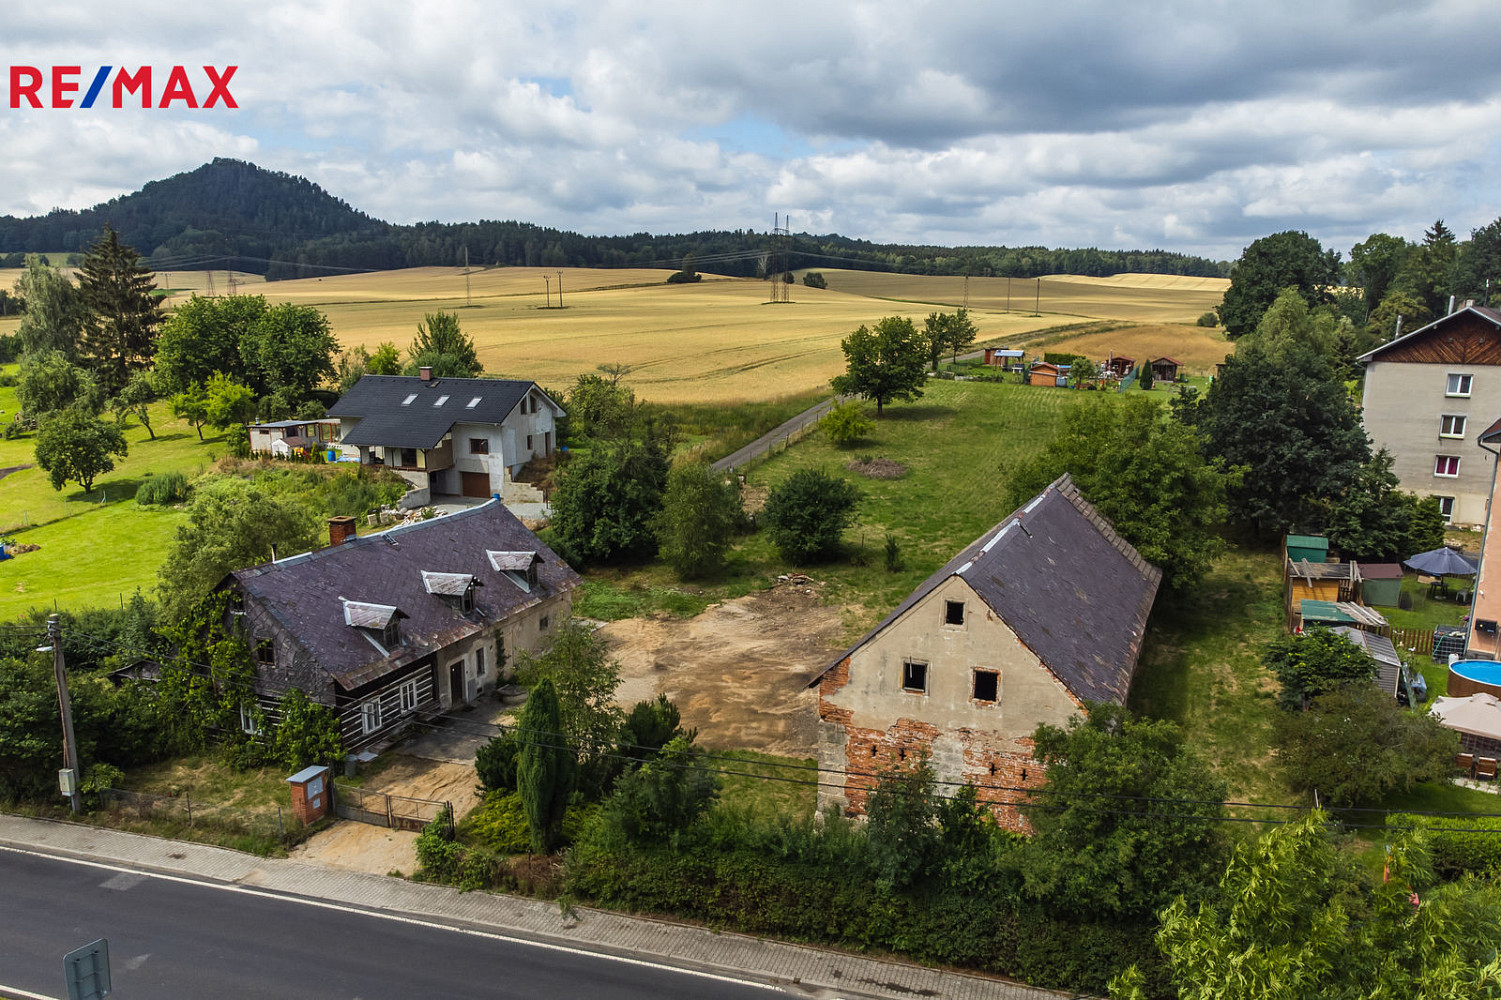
{"type": "Point", "coordinates": [495, 763]}
{"type": "Point", "coordinates": [499, 824]}
{"type": "Point", "coordinates": [893, 554]}
{"type": "Point", "coordinates": [847, 423]}
{"type": "Point", "coordinates": [169, 488]}
{"type": "Point", "coordinates": [807, 513]}
{"type": "Point", "coordinates": [664, 795]}
{"type": "Point", "coordinates": [307, 734]}
{"type": "Point", "coordinates": [814, 279]}
{"type": "Point", "coordinates": [1210, 319]}
{"type": "Point", "coordinates": [700, 512]}
{"type": "Point", "coordinates": [1473, 850]}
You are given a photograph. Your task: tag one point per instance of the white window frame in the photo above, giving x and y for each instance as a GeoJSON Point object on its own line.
{"type": "Point", "coordinates": [1456, 423]}
{"type": "Point", "coordinates": [370, 719]}
{"type": "Point", "coordinates": [248, 724]}
{"type": "Point", "coordinates": [1446, 508]}
{"type": "Point", "coordinates": [408, 692]}
{"type": "Point", "coordinates": [1438, 460]}
{"type": "Point", "coordinates": [1459, 385]}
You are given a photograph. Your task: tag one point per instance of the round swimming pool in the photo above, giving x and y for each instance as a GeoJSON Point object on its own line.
{"type": "Point", "coordinates": [1467, 677]}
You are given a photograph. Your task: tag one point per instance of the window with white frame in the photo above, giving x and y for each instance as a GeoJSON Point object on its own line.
{"type": "Point", "coordinates": [370, 715]}
{"type": "Point", "coordinates": [1446, 466]}
{"type": "Point", "coordinates": [1459, 385]}
{"type": "Point", "coordinates": [409, 695]}
{"type": "Point", "coordinates": [1446, 507]}
{"type": "Point", "coordinates": [250, 720]}
{"type": "Point", "coordinates": [1451, 425]}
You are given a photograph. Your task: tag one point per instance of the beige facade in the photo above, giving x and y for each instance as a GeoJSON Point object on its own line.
{"type": "Point", "coordinates": [466, 670]}
{"type": "Point", "coordinates": [1429, 416]}
{"type": "Point", "coordinates": [969, 733]}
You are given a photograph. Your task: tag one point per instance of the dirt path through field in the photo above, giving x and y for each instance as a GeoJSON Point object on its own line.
{"type": "Point", "coordinates": [739, 671]}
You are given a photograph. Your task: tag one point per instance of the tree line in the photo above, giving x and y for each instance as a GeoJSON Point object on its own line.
{"type": "Point", "coordinates": [232, 214]}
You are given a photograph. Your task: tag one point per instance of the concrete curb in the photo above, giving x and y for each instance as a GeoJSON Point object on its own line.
{"type": "Point", "coordinates": [799, 969]}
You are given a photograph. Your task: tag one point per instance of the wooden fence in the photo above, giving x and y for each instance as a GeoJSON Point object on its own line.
{"type": "Point", "coordinates": [1413, 640]}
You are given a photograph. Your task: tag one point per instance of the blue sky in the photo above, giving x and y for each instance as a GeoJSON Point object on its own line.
{"type": "Point", "coordinates": [1194, 126]}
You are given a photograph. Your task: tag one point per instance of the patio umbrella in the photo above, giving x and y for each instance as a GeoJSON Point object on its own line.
{"type": "Point", "coordinates": [1441, 562]}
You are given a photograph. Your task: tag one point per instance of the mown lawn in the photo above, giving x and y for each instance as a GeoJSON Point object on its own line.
{"type": "Point", "coordinates": [956, 444]}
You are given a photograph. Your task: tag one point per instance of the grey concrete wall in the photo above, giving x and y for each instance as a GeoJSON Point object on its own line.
{"type": "Point", "coordinates": [1404, 403]}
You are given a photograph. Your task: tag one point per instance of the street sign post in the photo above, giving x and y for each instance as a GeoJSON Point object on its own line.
{"type": "Point", "coordinates": [86, 970]}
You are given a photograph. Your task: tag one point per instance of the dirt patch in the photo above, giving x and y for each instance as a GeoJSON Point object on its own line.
{"type": "Point", "coordinates": [14, 468]}
{"type": "Point", "coordinates": [878, 468]}
{"type": "Point", "coordinates": [738, 672]}
{"type": "Point", "coordinates": [363, 847]}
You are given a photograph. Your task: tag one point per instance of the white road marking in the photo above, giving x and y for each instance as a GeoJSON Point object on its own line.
{"type": "Point", "coordinates": [8, 991]}
{"type": "Point", "coordinates": [324, 904]}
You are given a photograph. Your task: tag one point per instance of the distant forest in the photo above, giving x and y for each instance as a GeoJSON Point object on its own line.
{"type": "Point", "coordinates": [232, 214]}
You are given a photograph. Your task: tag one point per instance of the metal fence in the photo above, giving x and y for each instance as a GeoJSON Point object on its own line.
{"type": "Point", "coordinates": [399, 812]}
{"type": "Point", "coordinates": [127, 807]}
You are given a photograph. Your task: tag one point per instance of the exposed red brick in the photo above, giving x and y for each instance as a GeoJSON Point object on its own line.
{"type": "Point", "coordinates": [836, 677]}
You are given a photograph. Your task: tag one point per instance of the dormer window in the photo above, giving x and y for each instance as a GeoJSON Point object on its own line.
{"type": "Point", "coordinates": [379, 623]}
{"type": "Point", "coordinates": [456, 589]}
{"type": "Point", "coordinates": [518, 567]}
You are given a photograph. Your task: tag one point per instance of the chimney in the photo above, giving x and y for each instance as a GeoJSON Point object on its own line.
{"type": "Point", "coordinates": [340, 529]}
{"type": "Point", "coordinates": [426, 373]}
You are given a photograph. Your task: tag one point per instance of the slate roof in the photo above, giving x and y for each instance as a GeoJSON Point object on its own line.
{"type": "Point", "coordinates": [1076, 593]}
{"type": "Point", "coordinates": [1483, 312]}
{"type": "Point", "coordinates": [309, 594]}
{"type": "Point", "coordinates": [385, 417]}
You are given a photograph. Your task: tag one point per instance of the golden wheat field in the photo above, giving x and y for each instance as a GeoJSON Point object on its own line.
{"type": "Point", "coordinates": [1197, 348]}
{"type": "Point", "coordinates": [717, 341]}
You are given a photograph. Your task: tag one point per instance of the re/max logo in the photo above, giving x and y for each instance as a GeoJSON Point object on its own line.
{"type": "Point", "coordinates": [26, 84]}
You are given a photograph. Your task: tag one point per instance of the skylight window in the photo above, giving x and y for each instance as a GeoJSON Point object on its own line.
{"type": "Point", "coordinates": [472, 403]}
{"type": "Point", "coordinates": [441, 400]}
{"type": "Point", "coordinates": [408, 400]}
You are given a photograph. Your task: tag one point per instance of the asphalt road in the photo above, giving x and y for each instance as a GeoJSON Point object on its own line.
{"type": "Point", "coordinates": [176, 940]}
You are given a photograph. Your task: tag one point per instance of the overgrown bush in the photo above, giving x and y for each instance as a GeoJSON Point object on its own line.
{"type": "Point", "coordinates": [1473, 849]}
{"type": "Point", "coordinates": [847, 423]}
{"type": "Point", "coordinates": [807, 513]}
{"type": "Point", "coordinates": [815, 279]}
{"type": "Point", "coordinates": [168, 488]}
{"type": "Point", "coordinates": [495, 763]}
{"type": "Point", "coordinates": [307, 734]}
{"type": "Point", "coordinates": [499, 824]}
{"type": "Point", "coordinates": [1210, 319]}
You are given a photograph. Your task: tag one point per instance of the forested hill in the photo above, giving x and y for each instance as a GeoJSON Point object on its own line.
{"type": "Point", "coordinates": [231, 214]}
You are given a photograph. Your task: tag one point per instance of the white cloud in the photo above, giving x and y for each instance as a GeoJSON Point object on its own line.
{"type": "Point", "coordinates": [1190, 126]}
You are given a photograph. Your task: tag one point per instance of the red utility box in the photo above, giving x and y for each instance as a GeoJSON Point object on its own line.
{"type": "Point", "coordinates": [312, 798]}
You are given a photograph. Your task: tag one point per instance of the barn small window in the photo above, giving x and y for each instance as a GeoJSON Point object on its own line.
{"type": "Point", "coordinates": [409, 696]}
{"type": "Point", "coordinates": [953, 612]}
{"type": "Point", "coordinates": [544, 622]}
{"type": "Point", "coordinates": [479, 662]}
{"type": "Point", "coordinates": [987, 685]}
{"type": "Point", "coordinates": [915, 676]}
{"type": "Point", "coordinates": [370, 715]}
{"type": "Point", "coordinates": [265, 652]}
{"type": "Point", "coordinates": [250, 721]}
{"type": "Point", "coordinates": [390, 636]}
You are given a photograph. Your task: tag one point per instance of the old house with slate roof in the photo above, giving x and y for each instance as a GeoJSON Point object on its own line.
{"type": "Point", "coordinates": [1042, 613]}
{"type": "Point", "coordinates": [419, 618]}
{"type": "Point", "coordinates": [455, 436]}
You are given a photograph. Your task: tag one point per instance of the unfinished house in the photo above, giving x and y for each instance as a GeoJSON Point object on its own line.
{"type": "Point", "coordinates": [421, 618]}
{"type": "Point", "coordinates": [449, 436]}
{"type": "Point", "coordinates": [1038, 616]}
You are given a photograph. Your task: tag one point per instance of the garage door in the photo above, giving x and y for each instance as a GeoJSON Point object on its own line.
{"type": "Point", "coordinates": [475, 484]}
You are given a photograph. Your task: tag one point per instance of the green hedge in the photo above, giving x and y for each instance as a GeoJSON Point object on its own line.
{"type": "Point", "coordinates": [976, 923]}
{"type": "Point", "coordinates": [1458, 854]}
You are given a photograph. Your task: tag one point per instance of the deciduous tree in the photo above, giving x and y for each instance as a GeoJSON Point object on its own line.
{"type": "Point", "coordinates": [291, 349]}
{"type": "Point", "coordinates": [443, 347]}
{"type": "Point", "coordinates": [1111, 835]}
{"type": "Point", "coordinates": [49, 382]}
{"type": "Point", "coordinates": [605, 510]}
{"type": "Point", "coordinates": [75, 444]}
{"type": "Point", "coordinates": [55, 310]}
{"type": "Point", "coordinates": [1283, 260]}
{"type": "Point", "coordinates": [136, 399]}
{"type": "Point", "coordinates": [700, 512]}
{"type": "Point", "coordinates": [806, 515]}
{"type": "Point", "coordinates": [847, 423]}
{"type": "Point", "coordinates": [203, 336]}
{"type": "Point", "coordinates": [1354, 746]}
{"type": "Point", "coordinates": [884, 364]}
{"type": "Point", "coordinates": [1314, 662]}
{"type": "Point", "coordinates": [1375, 521]}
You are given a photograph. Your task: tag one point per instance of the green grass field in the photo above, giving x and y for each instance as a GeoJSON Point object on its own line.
{"type": "Point", "coordinates": [99, 546]}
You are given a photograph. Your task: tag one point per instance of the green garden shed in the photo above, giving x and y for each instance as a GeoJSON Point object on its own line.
{"type": "Point", "coordinates": [1381, 584]}
{"type": "Point", "coordinates": [1314, 548]}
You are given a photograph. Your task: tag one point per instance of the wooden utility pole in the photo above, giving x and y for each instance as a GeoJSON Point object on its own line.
{"type": "Point", "coordinates": [547, 284]}
{"type": "Point", "coordinates": [65, 705]}
{"type": "Point", "coordinates": [560, 289]}
{"type": "Point", "coordinates": [467, 302]}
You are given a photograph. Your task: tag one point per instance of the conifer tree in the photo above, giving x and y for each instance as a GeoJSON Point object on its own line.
{"type": "Point", "coordinates": [546, 769]}
{"type": "Point", "coordinates": [119, 334]}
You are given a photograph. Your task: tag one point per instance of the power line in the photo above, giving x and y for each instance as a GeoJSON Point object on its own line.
{"type": "Point", "coordinates": [610, 749]}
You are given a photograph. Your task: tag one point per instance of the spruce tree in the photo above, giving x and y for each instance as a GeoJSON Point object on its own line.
{"type": "Point", "coordinates": [546, 769]}
{"type": "Point", "coordinates": [119, 334]}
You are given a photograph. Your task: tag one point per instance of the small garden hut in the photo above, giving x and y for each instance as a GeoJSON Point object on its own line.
{"type": "Point", "coordinates": [1165, 369]}
{"type": "Point", "coordinates": [1381, 584]}
{"type": "Point", "coordinates": [1119, 365]}
{"type": "Point", "coordinates": [1046, 373]}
